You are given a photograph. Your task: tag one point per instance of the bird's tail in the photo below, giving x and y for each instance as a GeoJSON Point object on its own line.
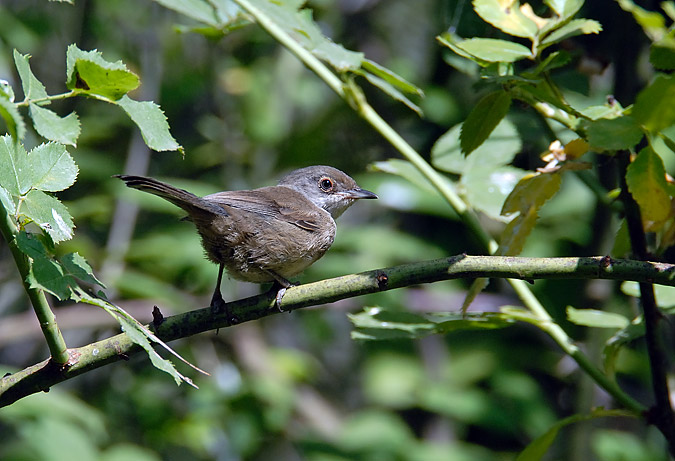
{"type": "Point", "coordinates": [188, 201]}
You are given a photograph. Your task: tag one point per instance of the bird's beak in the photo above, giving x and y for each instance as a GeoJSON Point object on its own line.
{"type": "Point", "coordinates": [360, 193]}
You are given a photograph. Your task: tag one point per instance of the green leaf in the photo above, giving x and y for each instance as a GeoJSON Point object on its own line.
{"type": "Point", "coordinates": [7, 201]}
{"type": "Point", "coordinates": [494, 50]}
{"type": "Point", "coordinates": [199, 10]}
{"type": "Point", "coordinates": [15, 124]}
{"type": "Point", "coordinates": [152, 122]}
{"type": "Point", "coordinates": [507, 19]}
{"type": "Point", "coordinates": [621, 338]}
{"type": "Point", "coordinates": [596, 318]}
{"type": "Point", "coordinates": [615, 134]}
{"type": "Point", "coordinates": [662, 54]}
{"type": "Point", "coordinates": [49, 213]}
{"type": "Point", "coordinates": [646, 180]}
{"type": "Point", "coordinates": [47, 274]}
{"type": "Point", "coordinates": [79, 268]}
{"type": "Point", "coordinates": [49, 125]}
{"type": "Point", "coordinates": [52, 169]}
{"type": "Point", "coordinates": [405, 170]}
{"type": "Point", "coordinates": [571, 29]}
{"type": "Point", "coordinates": [486, 189]}
{"type": "Point", "coordinates": [15, 174]}
{"type": "Point", "coordinates": [483, 119]}
{"type": "Point", "coordinates": [655, 105]}
{"type": "Point", "coordinates": [565, 8]}
{"type": "Point", "coordinates": [6, 90]}
{"type": "Point", "coordinates": [32, 87]}
{"type": "Point", "coordinates": [665, 295]}
{"type": "Point", "coordinates": [391, 77]}
{"type": "Point", "coordinates": [391, 91]}
{"type": "Point", "coordinates": [31, 245]}
{"type": "Point", "coordinates": [536, 450]}
{"type": "Point", "coordinates": [88, 73]}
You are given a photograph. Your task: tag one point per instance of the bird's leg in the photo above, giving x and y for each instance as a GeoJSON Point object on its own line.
{"type": "Point", "coordinates": [280, 286]}
{"type": "Point", "coordinates": [217, 302]}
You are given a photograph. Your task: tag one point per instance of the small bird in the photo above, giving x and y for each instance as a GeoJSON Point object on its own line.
{"type": "Point", "coordinates": [269, 234]}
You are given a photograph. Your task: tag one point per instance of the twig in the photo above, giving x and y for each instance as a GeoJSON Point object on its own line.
{"type": "Point", "coordinates": [661, 415]}
{"type": "Point", "coordinates": [41, 376]}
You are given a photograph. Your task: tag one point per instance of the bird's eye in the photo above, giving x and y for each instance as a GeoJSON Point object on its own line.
{"type": "Point", "coordinates": [326, 184]}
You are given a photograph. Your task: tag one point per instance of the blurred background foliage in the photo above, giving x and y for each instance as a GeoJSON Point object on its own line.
{"type": "Point", "coordinates": [293, 387]}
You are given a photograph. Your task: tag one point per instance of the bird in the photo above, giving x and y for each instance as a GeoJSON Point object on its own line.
{"type": "Point", "coordinates": [270, 234]}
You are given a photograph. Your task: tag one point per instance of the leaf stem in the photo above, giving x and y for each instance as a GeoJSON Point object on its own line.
{"type": "Point", "coordinates": [54, 97]}
{"type": "Point", "coordinates": [50, 329]}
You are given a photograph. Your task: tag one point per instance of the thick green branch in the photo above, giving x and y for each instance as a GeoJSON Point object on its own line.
{"type": "Point", "coordinates": [42, 376]}
{"type": "Point", "coordinates": [57, 346]}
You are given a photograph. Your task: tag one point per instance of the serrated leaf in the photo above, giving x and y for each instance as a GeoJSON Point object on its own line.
{"type": "Point", "coordinates": [52, 169]}
{"type": "Point", "coordinates": [596, 318]}
{"type": "Point", "coordinates": [391, 77]}
{"type": "Point", "coordinates": [32, 87]}
{"type": "Point", "coordinates": [7, 201]}
{"type": "Point", "coordinates": [196, 9]}
{"type": "Point", "coordinates": [615, 134]}
{"type": "Point", "coordinates": [483, 119]}
{"type": "Point", "coordinates": [49, 213]}
{"type": "Point", "coordinates": [79, 268]}
{"type": "Point", "coordinates": [506, 16]}
{"type": "Point", "coordinates": [6, 90]}
{"type": "Point", "coordinates": [536, 450]}
{"type": "Point", "coordinates": [655, 105]}
{"type": "Point", "coordinates": [565, 9]}
{"type": "Point", "coordinates": [152, 122]}
{"type": "Point", "coordinates": [31, 245]}
{"type": "Point", "coordinates": [88, 73]}
{"type": "Point", "coordinates": [527, 198]}
{"type": "Point", "coordinates": [50, 125]}
{"type": "Point", "coordinates": [46, 274]}
{"type": "Point", "coordinates": [13, 120]}
{"type": "Point", "coordinates": [15, 172]}
{"type": "Point", "coordinates": [572, 29]}
{"type": "Point", "coordinates": [391, 91]}
{"type": "Point", "coordinates": [497, 150]}
{"type": "Point", "coordinates": [494, 50]}
{"type": "Point", "coordinates": [646, 180]}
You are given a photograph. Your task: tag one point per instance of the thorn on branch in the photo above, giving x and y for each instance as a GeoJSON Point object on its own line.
{"type": "Point", "coordinates": [606, 261]}
{"type": "Point", "coordinates": [382, 280]}
{"type": "Point", "coordinates": [157, 317]}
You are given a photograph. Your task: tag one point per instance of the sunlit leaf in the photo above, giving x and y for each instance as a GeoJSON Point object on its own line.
{"type": "Point", "coordinates": [47, 274]}
{"type": "Point", "coordinates": [13, 120]}
{"type": "Point", "coordinates": [571, 29]}
{"type": "Point", "coordinates": [484, 117]}
{"type": "Point", "coordinates": [655, 105]}
{"type": "Point", "coordinates": [665, 295]}
{"type": "Point", "coordinates": [15, 174]}
{"type": "Point", "coordinates": [79, 268]}
{"type": "Point", "coordinates": [50, 125]}
{"type": "Point", "coordinates": [391, 77]}
{"type": "Point", "coordinates": [152, 122]}
{"type": "Point", "coordinates": [506, 16]}
{"type": "Point", "coordinates": [32, 87]}
{"type": "Point", "coordinates": [615, 134]}
{"type": "Point", "coordinates": [494, 50]}
{"type": "Point", "coordinates": [565, 8]}
{"type": "Point", "coordinates": [52, 169]}
{"type": "Point", "coordinates": [392, 91]}
{"type": "Point", "coordinates": [596, 318]}
{"type": "Point", "coordinates": [88, 73]}
{"type": "Point", "coordinates": [49, 213]}
{"type": "Point", "coordinates": [646, 180]}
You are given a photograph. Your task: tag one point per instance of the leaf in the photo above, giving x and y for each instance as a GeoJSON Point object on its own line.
{"type": "Point", "coordinates": [32, 87]}
{"type": "Point", "coordinates": [49, 214]}
{"type": "Point", "coordinates": [571, 29]}
{"type": "Point", "coordinates": [196, 9]}
{"type": "Point", "coordinates": [15, 172]}
{"type": "Point", "coordinates": [152, 122]}
{"type": "Point", "coordinates": [655, 105]}
{"type": "Point", "coordinates": [15, 124]}
{"type": "Point", "coordinates": [477, 286]}
{"type": "Point", "coordinates": [536, 450]}
{"type": "Point", "coordinates": [494, 50]}
{"type": "Point", "coordinates": [30, 245]}
{"type": "Point", "coordinates": [596, 318]}
{"type": "Point", "coordinates": [88, 73]}
{"type": "Point", "coordinates": [614, 344]}
{"type": "Point", "coordinates": [52, 169]}
{"type": "Point", "coordinates": [662, 54]}
{"type": "Point", "coordinates": [665, 295]}
{"type": "Point", "coordinates": [486, 188]}
{"type": "Point", "coordinates": [7, 202]}
{"type": "Point", "coordinates": [483, 119]}
{"type": "Point", "coordinates": [79, 268]}
{"type": "Point", "coordinates": [615, 134]}
{"type": "Point", "coordinates": [405, 170]}
{"type": "Point", "coordinates": [391, 77]}
{"type": "Point", "coordinates": [565, 8]}
{"type": "Point", "coordinates": [506, 16]}
{"type": "Point", "coordinates": [646, 180]}
{"type": "Point", "coordinates": [47, 274]}
{"type": "Point", "coordinates": [49, 125]}
{"type": "Point", "coordinates": [527, 198]}
{"type": "Point", "coordinates": [391, 91]}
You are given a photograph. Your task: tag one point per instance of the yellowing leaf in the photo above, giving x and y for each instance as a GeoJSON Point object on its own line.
{"type": "Point", "coordinates": [646, 179]}
{"type": "Point", "coordinates": [576, 148]}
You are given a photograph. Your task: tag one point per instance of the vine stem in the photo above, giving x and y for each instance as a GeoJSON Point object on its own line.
{"type": "Point", "coordinates": [50, 329]}
{"type": "Point", "coordinates": [443, 187]}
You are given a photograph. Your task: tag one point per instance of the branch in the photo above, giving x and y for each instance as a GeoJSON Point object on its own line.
{"type": "Point", "coordinates": [50, 330]}
{"type": "Point", "coordinates": [661, 415]}
{"type": "Point", "coordinates": [42, 376]}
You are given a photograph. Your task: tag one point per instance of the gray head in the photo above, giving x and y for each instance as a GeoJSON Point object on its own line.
{"type": "Point", "coordinates": [326, 187]}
